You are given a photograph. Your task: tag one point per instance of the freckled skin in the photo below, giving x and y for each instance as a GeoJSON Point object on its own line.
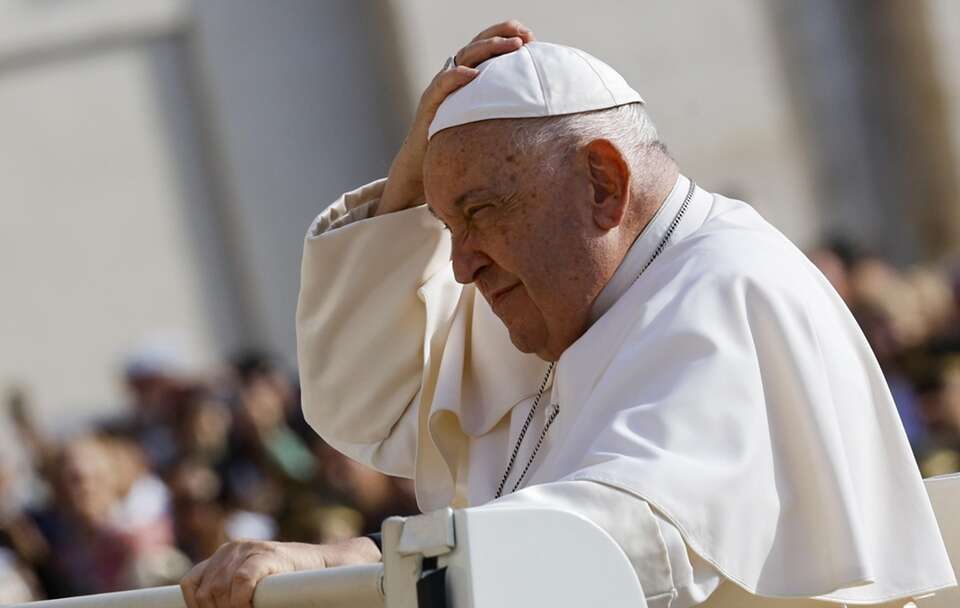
{"type": "Point", "coordinates": [535, 230]}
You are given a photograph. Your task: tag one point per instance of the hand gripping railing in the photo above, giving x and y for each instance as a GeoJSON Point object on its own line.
{"type": "Point", "coordinates": [346, 587]}
{"type": "Point", "coordinates": [502, 557]}
{"type": "Point", "coordinates": [472, 558]}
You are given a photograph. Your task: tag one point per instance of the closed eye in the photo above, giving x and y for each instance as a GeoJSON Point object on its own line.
{"type": "Point", "coordinates": [473, 211]}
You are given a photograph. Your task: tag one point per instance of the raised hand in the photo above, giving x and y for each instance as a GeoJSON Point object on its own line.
{"type": "Point", "coordinates": [404, 186]}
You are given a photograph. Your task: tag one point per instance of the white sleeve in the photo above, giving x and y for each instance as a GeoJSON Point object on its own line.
{"type": "Point", "coordinates": [354, 206]}
{"type": "Point", "coordinates": [365, 331]}
{"type": "Point", "coordinates": [669, 574]}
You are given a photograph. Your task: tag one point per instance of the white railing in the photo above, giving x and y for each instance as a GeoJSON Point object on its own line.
{"type": "Point", "coordinates": [346, 587]}
{"type": "Point", "coordinates": [490, 558]}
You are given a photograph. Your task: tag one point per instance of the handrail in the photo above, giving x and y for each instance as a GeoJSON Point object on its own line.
{"type": "Point", "coordinates": [343, 587]}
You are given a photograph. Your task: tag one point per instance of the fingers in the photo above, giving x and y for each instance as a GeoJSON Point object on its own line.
{"type": "Point", "coordinates": [214, 589]}
{"type": "Point", "coordinates": [479, 51]}
{"type": "Point", "coordinates": [190, 582]}
{"type": "Point", "coordinates": [506, 29]}
{"type": "Point", "coordinates": [230, 577]}
{"type": "Point", "coordinates": [245, 579]}
{"type": "Point", "coordinates": [443, 84]}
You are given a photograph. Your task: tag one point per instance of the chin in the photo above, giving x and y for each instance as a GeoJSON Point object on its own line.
{"type": "Point", "coordinates": [521, 344]}
{"type": "Point", "coordinates": [525, 344]}
{"type": "Point", "coordinates": [527, 330]}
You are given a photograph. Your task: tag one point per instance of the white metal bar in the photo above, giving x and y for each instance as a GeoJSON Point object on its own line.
{"type": "Point", "coordinates": [345, 587]}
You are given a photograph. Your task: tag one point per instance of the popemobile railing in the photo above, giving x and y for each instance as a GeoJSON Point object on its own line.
{"type": "Point", "coordinates": [347, 587]}
{"type": "Point", "coordinates": [503, 557]}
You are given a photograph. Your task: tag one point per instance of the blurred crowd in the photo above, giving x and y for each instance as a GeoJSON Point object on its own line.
{"type": "Point", "coordinates": [134, 501]}
{"type": "Point", "coordinates": [911, 318]}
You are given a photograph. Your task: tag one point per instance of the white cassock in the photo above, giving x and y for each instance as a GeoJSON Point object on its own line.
{"type": "Point", "coordinates": [723, 417]}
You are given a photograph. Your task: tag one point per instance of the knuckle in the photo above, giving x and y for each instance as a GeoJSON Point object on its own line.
{"type": "Point", "coordinates": [191, 581]}
{"type": "Point", "coordinates": [218, 589]}
{"type": "Point", "coordinates": [260, 546]}
{"type": "Point", "coordinates": [244, 578]}
{"type": "Point", "coordinates": [443, 82]}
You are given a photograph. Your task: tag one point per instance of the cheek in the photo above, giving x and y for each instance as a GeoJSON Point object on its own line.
{"type": "Point", "coordinates": [521, 249]}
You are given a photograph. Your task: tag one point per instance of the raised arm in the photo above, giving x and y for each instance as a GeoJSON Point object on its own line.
{"type": "Point", "coordinates": [377, 293]}
{"type": "Point", "coordinates": [363, 328]}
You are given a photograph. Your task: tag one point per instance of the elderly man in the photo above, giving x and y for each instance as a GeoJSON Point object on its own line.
{"type": "Point", "coordinates": [609, 339]}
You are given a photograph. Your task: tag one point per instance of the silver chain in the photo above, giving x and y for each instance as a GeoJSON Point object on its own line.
{"type": "Point", "coordinates": [543, 385]}
{"type": "Point", "coordinates": [523, 432]}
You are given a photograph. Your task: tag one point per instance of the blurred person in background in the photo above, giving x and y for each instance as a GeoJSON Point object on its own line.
{"type": "Point", "coordinates": [22, 548]}
{"type": "Point", "coordinates": [373, 495]}
{"type": "Point", "coordinates": [155, 378]}
{"type": "Point", "coordinates": [905, 317]}
{"type": "Point", "coordinates": [202, 428]}
{"type": "Point", "coordinates": [939, 398]}
{"type": "Point", "coordinates": [142, 510]}
{"type": "Point", "coordinates": [265, 399]}
{"type": "Point", "coordinates": [199, 516]}
{"type": "Point", "coordinates": [228, 462]}
{"type": "Point", "coordinates": [88, 552]}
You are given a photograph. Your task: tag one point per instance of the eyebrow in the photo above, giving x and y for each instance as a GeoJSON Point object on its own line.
{"type": "Point", "coordinates": [471, 195]}
{"type": "Point", "coordinates": [466, 198]}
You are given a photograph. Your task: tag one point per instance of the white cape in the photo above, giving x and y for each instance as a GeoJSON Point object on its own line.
{"type": "Point", "coordinates": [730, 388]}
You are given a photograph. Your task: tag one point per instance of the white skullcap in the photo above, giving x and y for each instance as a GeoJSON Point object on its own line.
{"type": "Point", "coordinates": [538, 79]}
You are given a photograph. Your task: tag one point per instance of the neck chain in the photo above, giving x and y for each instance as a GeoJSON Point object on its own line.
{"type": "Point", "coordinates": [555, 408]}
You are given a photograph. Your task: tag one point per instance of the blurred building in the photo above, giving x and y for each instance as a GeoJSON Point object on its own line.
{"type": "Point", "coordinates": [160, 160]}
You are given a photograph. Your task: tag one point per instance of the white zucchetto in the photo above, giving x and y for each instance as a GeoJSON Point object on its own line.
{"type": "Point", "coordinates": [538, 79]}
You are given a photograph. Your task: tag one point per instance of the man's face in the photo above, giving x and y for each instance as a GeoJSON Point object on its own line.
{"type": "Point", "coordinates": [519, 231]}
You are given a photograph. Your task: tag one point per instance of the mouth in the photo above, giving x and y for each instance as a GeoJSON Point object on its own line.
{"type": "Point", "coordinates": [497, 296]}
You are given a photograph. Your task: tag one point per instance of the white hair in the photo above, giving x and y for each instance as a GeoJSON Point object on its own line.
{"type": "Point", "coordinates": [629, 127]}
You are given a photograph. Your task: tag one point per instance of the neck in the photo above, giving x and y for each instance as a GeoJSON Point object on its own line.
{"type": "Point", "coordinates": [658, 175]}
{"type": "Point", "coordinates": [661, 174]}
{"type": "Point", "coordinates": [630, 258]}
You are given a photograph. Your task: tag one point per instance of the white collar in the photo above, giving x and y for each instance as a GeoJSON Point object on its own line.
{"type": "Point", "coordinates": [641, 250]}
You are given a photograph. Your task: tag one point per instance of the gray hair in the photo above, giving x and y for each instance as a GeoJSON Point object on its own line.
{"type": "Point", "coordinates": [628, 126]}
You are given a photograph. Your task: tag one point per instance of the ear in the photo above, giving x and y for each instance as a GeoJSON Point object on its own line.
{"type": "Point", "coordinates": [609, 181]}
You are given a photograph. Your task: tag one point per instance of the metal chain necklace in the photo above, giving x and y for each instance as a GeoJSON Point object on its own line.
{"type": "Point", "coordinates": [546, 377]}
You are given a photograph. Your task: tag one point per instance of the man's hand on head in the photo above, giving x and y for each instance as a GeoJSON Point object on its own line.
{"type": "Point", "coordinates": [230, 576]}
{"type": "Point", "coordinates": [404, 187]}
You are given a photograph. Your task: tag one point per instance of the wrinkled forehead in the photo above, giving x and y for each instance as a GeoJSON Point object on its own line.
{"type": "Point", "coordinates": [471, 156]}
{"type": "Point", "coordinates": [478, 139]}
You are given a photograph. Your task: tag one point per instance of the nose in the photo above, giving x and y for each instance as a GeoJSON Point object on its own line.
{"type": "Point", "coordinates": [467, 260]}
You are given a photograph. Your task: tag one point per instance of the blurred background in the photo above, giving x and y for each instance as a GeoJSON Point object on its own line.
{"type": "Point", "coordinates": [161, 160]}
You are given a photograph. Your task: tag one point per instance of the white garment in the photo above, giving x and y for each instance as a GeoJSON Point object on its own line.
{"type": "Point", "coordinates": [653, 545]}
{"type": "Point", "coordinates": [729, 388]}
